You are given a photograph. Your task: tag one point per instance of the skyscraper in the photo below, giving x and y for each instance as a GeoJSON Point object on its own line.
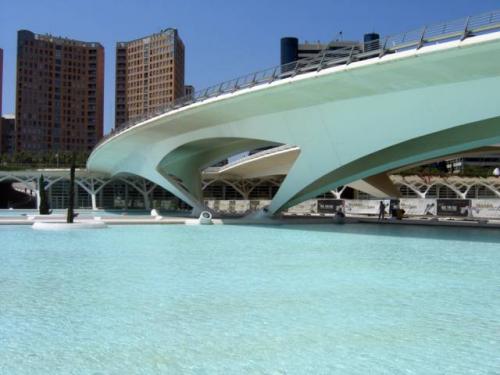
{"type": "Point", "coordinates": [1, 79]}
{"type": "Point", "coordinates": [7, 134]}
{"type": "Point", "coordinates": [59, 93]}
{"type": "Point", "coordinates": [189, 90]}
{"type": "Point", "coordinates": [149, 74]}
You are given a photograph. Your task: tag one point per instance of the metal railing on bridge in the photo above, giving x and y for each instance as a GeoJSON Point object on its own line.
{"type": "Point", "coordinates": [244, 159]}
{"type": "Point", "coordinates": [459, 29]}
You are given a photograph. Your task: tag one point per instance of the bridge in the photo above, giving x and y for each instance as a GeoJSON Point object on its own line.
{"type": "Point", "coordinates": [351, 115]}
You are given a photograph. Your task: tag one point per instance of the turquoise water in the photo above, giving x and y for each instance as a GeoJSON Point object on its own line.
{"type": "Point", "coordinates": [349, 299]}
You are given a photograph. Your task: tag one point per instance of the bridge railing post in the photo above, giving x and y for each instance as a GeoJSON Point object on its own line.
{"type": "Point", "coordinates": [220, 90]}
{"type": "Point", "coordinates": [321, 62]}
{"type": "Point", "coordinates": [466, 33]}
{"type": "Point", "coordinates": [254, 80]}
{"type": "Point", "coordinates": [350, 58]}
{"type": "Point", "coordinates": [295, 69]}
{"type": "Point", "coordinates": [383, 48]}
{"type": "Point", "coordinates": [273, 76]}
{"type": "Point", "coordinates": [205, 94]}
{"type": "Point", "coordinates": [421, 42]}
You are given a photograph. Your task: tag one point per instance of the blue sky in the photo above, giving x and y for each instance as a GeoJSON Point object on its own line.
{"type": "Point", "coordinates": [223, 39]}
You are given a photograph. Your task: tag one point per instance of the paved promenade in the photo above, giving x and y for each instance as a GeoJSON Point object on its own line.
{"type": "Point", "coordinates": [286, 220]}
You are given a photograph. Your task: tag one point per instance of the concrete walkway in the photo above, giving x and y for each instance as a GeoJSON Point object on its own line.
{"type": "Point", "coordinates": [286, 220]}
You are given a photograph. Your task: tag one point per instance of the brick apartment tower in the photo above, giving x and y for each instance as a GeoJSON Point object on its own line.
{"type": "Point", "coordinates": [59, 93]}
{"type": "Point", "coordinates": [149, 74]}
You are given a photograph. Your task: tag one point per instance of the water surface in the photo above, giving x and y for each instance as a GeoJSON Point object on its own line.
{"type": "Point", "coordinates": [172, 299]}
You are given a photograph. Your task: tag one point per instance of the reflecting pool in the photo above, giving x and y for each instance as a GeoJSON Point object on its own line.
{"type": "Point", "coordinates": [175, 299]}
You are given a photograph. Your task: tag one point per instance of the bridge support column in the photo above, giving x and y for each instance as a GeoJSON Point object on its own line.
{"type": "Point", "coordinates": [170, 185]}
{"type": "Point", "coordinates": [93, 201]}
{"type": "Point", "coordinates": [142, 187]}
{"type": "Point", "coordinates": [91, 186]}
{"type": "Point", "coordinates": [37, 199]}
{"type": "Point", "coordinates": [299, 176]}
{"type": "Point", "coordinates": [147, 201]}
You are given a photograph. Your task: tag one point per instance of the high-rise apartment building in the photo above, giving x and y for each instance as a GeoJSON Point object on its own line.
{"type": "Point", "coordinates": [7, 134]}
{"type": "Point", "coordinates": [1, 79]}
{"type": "Point", "coordinates": [149, 74]}
{"type": "Point", "coordinates": [59, 93]}
{"type": "Point", "coordinates": [189, 91]}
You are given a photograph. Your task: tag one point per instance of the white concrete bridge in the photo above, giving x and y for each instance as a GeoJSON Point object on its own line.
{"type": "Point", "coordinates": [417, 96]}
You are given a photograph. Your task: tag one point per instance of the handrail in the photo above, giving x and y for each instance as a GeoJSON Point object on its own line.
{"type": "Point", "coordinates": [414, 39]}
{"type": "Point", "coordinates": [244, 159]}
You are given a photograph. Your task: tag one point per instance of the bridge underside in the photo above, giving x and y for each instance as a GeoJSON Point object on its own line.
{"type": "Point", "coordinates": [350, 123]}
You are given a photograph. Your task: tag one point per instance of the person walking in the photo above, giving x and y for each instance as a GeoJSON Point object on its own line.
{"type": "Point", "coordinates": [381, 211]}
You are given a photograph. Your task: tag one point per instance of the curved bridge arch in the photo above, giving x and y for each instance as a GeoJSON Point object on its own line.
{"type": "Point", "coordinates": [453, 140]}
{"type": "Point", "coordinates": [350, 122]}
